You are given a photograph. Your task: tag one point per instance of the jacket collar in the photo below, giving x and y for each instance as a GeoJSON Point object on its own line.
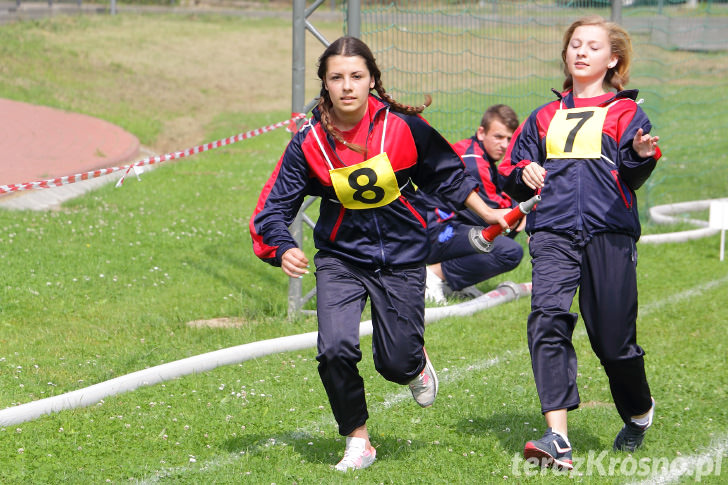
{"type": "Point", "coordinates": [567, 97]}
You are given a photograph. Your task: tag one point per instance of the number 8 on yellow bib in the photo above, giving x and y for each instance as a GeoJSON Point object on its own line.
{"type": "Point", "coordinates": [366, 185]}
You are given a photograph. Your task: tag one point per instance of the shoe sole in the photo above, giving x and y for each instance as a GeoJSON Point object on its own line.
{"type": "Point", "coordinates": [544, 458]}
{"type": "Point", "coordinates": [626, 447]}
{"type": "Point", "coordinates": [428, 365]}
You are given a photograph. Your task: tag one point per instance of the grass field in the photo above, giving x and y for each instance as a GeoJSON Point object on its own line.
{"type": "Point", "coordinates": [108, 285]}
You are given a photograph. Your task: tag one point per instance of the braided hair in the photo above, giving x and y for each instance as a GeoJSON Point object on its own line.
{"type": "Point", "coordinates": [351, 46]}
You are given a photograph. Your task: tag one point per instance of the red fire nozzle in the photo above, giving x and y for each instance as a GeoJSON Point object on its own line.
{"type": "Point", "coordinates": [481, 238]}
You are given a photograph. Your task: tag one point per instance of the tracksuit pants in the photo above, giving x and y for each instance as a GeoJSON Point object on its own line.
{"type": "Point", "coordinates": [398, 320]}
{"type": "Point", "coordinates": [604, 270]}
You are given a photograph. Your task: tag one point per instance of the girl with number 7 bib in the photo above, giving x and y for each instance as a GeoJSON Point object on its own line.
{"type": "Point", "coordinates": [587, 153]}
{"type": "Point", "coordinates": [364, 156]}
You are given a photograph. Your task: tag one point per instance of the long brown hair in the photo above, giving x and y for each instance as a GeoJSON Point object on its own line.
{"type": "Point", "coordinates": [350, 47]}
{"type": "Point", "coordinates": [620, 43]}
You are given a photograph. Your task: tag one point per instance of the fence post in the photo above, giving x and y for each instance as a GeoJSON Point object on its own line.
{"type": "Point", "coordinates": [616, 16]}
{"type": "Point", "coordinates": [298, 70]}
{"type": "Point", "coordinates": [353, 18]}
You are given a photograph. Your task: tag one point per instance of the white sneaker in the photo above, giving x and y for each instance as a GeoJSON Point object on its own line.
{"type": "Point", "coordinates": [356, 456]}
{"type": "Point", "coordinates": [424, 386]}
{"type": "Point", "coordinates": [436, 289]}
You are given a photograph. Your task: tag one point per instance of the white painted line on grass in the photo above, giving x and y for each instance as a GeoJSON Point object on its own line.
{"type": "Point", "coordinates": [708, 463]}
{"type": "Point", "coordinates": [448, 375]}
{"type": "Point", "coordinates": [683, 295]}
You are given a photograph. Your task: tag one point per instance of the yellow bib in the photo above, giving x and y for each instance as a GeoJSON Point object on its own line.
{"type": "Point", "coordinates": [576, 133]}
{"type": "Point", "coordinates": [366, 185]}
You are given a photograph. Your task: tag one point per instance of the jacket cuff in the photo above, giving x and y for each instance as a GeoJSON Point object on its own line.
{"type": "Point", "coordinates": [658, 153]}
{"type": "Point", "coordinates": [281, 250]}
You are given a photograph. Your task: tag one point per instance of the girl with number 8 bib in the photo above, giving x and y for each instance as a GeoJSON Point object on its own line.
{"type": "Point", "coordinates": [587, 153]}
{"type": "Point", "coordinates": [364, 156]}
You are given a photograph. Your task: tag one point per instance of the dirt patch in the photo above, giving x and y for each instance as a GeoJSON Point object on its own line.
{"type": "Point", "coordinates": [224, 322]}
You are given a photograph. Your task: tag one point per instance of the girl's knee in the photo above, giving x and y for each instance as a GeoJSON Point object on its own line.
{"type": "Point", "coordinates": [398, 370]}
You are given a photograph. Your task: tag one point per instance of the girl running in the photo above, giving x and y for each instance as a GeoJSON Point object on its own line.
{"type": "Point", "coordinates": [587, 152]}
{"type": "Point", "coordinates": [361, 154]}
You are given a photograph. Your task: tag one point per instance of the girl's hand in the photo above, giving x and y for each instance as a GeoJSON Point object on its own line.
{"type": "Point", "coordinates": [645, 145]}
{"type": "Point", "coordinates": [294, 263]}
{"type": "Point", "coordinates": [533, 175]}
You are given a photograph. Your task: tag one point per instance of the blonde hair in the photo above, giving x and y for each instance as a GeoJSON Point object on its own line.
{"type": "Point", "coordinates": [620, 44]}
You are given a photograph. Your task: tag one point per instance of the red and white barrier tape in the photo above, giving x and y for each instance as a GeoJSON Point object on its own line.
{"type": "Point", "coordinates": [290, 125]}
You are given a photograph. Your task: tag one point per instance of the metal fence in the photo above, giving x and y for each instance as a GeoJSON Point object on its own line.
{"type": "Point", "coordinates": [471, 54]}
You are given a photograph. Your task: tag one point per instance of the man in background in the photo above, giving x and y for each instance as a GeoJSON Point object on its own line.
{"type": "Point", "coordinates": [454, 266]}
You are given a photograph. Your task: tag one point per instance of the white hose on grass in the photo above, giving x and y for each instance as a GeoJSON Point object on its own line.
{"type": "Point", "coordinates": [664, 214]}
{"type": "Point", "coordinates": [200, 363]}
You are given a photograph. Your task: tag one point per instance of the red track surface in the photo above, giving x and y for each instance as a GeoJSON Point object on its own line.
{"type": "Point", "coordinates": [38, 143]}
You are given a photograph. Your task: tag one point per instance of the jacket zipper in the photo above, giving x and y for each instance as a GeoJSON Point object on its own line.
{"type": "Point", "coordinates": [413, 211]}
{"type": "Point", "coordinates": [335, 230]}
{"type": "Point", "coordinates": [627, 203]}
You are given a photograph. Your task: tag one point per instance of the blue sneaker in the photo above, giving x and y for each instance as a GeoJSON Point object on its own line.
{"type": "Point", "coordinates": [629, 438]}
{"type": "Point", "coordinates": [631, 435]}
{"type": "Point", "coordinates": [551, 450]}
